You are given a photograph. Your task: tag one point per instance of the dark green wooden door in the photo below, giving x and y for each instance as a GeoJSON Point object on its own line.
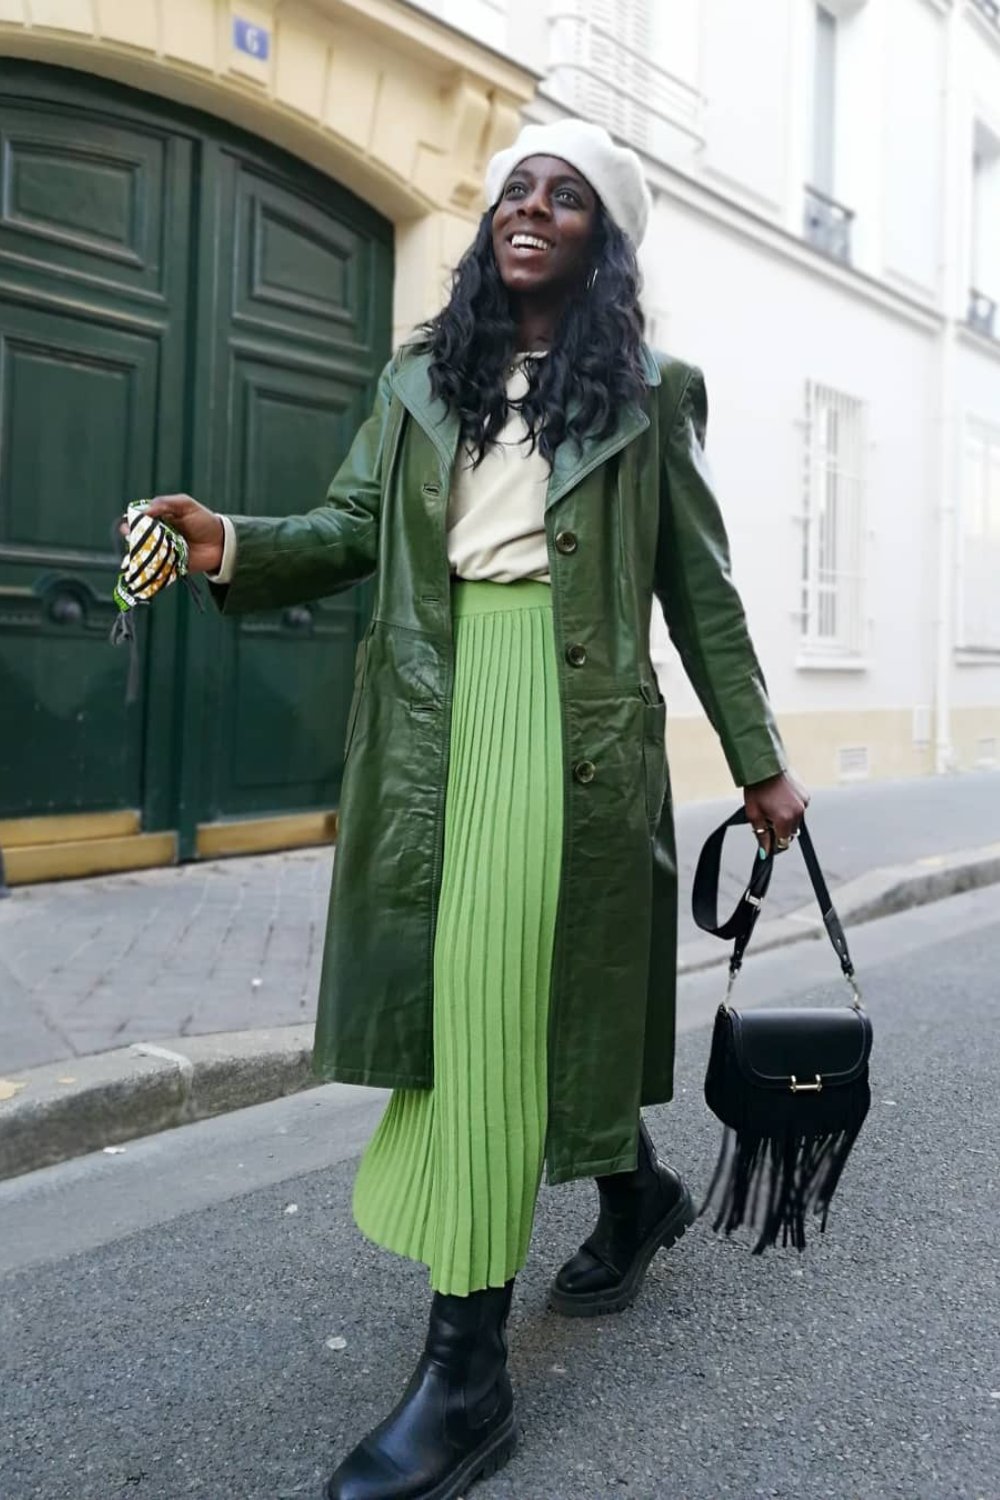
{"type": "Point", "coordinates": [289, 365]}
{"type": "Point", "coordinates": [181, 308]}
{"type": "Point", "coordinates": [94, 284]}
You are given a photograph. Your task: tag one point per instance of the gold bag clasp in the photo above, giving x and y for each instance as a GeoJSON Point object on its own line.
{"type": "Point", "coordinates": [807, 1088]}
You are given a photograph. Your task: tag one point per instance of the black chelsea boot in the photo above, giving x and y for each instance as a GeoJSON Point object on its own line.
{"type": "Point", "coordinates": [641, 1212]}
{"type": "Point", "coordinates": [455, 1421]}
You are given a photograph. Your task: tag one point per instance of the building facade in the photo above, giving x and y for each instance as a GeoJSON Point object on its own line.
{"type": "Point", "coordinates": [218, 217]}
{"type": "Point", "coordinates": [825, 244]}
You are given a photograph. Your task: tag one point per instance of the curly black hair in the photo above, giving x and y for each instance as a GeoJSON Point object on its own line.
{"type": "Point", "coordinates": [594, 365]}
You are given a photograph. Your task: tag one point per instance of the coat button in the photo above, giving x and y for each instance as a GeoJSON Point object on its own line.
{"type": "Point", "coordinates": [584, 771]}
{"type": "Point", "coordinates": [566, 542]}
{"type": "Point", "coordinates": [576, 655]}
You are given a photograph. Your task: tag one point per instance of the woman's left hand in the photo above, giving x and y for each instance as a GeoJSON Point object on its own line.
{"type": "Point", "coordinates": [775, 807]}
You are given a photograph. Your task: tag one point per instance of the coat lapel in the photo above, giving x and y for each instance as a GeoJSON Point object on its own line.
{"type": "Point", "coordinates": [412, 383]}
{"type": "Point", "coordinates": [573, 462]}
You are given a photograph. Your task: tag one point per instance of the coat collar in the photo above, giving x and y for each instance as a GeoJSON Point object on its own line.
{"type": "Point", "coordinates": [411, 382]}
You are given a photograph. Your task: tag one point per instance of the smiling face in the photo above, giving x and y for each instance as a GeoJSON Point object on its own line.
{"type": "Point", "coordinates": [543, 227]}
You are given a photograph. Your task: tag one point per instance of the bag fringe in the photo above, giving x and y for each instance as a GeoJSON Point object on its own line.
{"type": "Point", "coordinates": [770, 1183]}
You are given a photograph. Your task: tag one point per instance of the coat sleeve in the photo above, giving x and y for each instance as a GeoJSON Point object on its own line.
{"type": "Point", "coordinates": [290, 559]}
{"type": "Point", "coordinates": [703, 611]}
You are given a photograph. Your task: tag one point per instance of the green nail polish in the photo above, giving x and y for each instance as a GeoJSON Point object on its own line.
{"type": "Point", "coordinates": [762, 852]}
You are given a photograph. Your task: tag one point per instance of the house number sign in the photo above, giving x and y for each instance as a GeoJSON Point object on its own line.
{"type": "Point", "coordinates": [256, 40]}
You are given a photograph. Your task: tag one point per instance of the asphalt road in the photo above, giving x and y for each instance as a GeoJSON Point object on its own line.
{"type": "Point", "coordinates": [164, 1315]}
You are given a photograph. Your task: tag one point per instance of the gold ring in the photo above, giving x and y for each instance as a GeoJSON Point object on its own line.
{"type": "Point", "coordinates": [782, 843]}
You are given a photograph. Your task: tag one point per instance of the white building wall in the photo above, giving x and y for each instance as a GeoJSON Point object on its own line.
{"type": "Point", "coordinates": [746, 56]}
{"type": "Point", "coordinates": [676, 39]}
{"type": "Point", "coordinates": [760, 329]}
{"type": "Point", "coordinates": [975, 676]}
{"type": "Point", "coordinates": [486, 20]}
{"type": "Point", "coordinates": [732, 285]}
{"type": "Point", "coordinates": [865, 36]}
{"type": "Point", "coordinates": [911, 144]}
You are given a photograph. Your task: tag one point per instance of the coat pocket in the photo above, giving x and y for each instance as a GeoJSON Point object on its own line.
{"type": "Point", "coordinates": [654, 760]}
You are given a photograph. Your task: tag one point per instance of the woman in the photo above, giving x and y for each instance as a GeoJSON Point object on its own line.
{"type": "Point", "coordinates": [501, 950]}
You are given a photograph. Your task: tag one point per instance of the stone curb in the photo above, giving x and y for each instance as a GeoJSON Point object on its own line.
{"type": "Point", "coordinates": [66, 1109]}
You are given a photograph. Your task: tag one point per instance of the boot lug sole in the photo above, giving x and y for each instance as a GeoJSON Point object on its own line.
{"type": "Point", "coordinates": [617, 1298]}
{"type": "Point", "coordinates": [485, 1462]}
{"type": "Point", "coordinates": [481, 1465]}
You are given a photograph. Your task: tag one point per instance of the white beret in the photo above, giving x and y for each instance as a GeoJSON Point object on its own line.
{"type": "Point", "coordinates": [614, 172]}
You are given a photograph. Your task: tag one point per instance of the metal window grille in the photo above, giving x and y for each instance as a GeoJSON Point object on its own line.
{"type": "Point", "coordinates": [979, 548]}
{"type": "Point", "coordinates": [827, 224]}
{"type": "Point", "coordinates": [600, 64]}
{"type": "Point", "coordinates": [982, 315]}
{"type": "Point", "coordinates": [833, 537]}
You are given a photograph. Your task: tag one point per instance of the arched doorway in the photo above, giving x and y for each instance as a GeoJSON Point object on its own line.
{"type": "Point", "coordinates": [182, 307]}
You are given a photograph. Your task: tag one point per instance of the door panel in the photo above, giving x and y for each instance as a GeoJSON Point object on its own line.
{"type": "Point", "coordinates": [285, 424]}
{"type": "Point", "coordinates": [181, 308]}
{"type": "Point", "coordinates": [292, 671]}
{"type": "Point", "coordinates": [301, 272]}
{"type": "Point", "coordinates": [77, 413]}
{"type": "Point", "coordinates": [89, 385]}
{"type": "Point", "coordinates": [295, 364]}
{"type": "Point", "coordinates": [79, 407]}
{"type": "Point", "coordinates": [83, 199]}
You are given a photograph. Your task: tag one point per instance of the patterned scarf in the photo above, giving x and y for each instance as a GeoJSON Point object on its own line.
{"type": "Point", "coordinates": [155, 556]}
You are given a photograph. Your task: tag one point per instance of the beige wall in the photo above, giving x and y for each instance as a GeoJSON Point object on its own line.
{"type": "Point", "coordinates": [398, 108]}
{"type": "Point", "coordinates": [814, 742]}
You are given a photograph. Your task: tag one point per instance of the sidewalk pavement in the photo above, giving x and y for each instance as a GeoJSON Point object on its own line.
{"type": "Point", "coordinates": [234, 946]}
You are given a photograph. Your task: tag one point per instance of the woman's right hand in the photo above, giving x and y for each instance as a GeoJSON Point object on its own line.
{"type": "Point", "coordinates": [200, 527]}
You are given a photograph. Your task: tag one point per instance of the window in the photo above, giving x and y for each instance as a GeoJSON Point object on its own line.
{"type": "Point", "coordinates": [603, 65]}
{"type": "Point", "coordinates": [827, 223]}
{"type": "Point", "coordinates": [824, 100]}
{"type": "Point", "coordinates": [979, 545]}
{"type": "Point", "coordinates": [984, 291]}
{"type": "Point", "coordinates": [833, 538]}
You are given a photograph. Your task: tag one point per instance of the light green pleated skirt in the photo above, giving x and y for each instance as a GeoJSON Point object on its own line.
{"type": "Point", "coordinates": [451, 1175]}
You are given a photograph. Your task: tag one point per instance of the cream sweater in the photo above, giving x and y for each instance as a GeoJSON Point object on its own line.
{"type": "Point", "coordinates": [496, 512]}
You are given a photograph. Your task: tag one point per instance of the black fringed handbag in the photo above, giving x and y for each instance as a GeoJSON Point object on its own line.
{"type": "Point", "coordinates": [790, 1085]}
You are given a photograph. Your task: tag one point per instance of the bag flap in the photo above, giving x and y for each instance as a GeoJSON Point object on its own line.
{"type": "Point", "coordinates": [772, 1045]}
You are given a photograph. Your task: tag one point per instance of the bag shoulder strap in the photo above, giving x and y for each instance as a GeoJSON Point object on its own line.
{"type": "Point", "coordinates": [705, 894]}
{"type": "Point", "coordinates": [740, 926]}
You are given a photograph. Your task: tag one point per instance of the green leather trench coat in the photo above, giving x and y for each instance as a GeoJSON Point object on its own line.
{"type": "Point", "coordinates": [626, 517]}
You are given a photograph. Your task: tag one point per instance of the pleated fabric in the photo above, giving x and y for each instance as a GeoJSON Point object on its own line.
{"type": "Point", "coordinates": [451, 1175]}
